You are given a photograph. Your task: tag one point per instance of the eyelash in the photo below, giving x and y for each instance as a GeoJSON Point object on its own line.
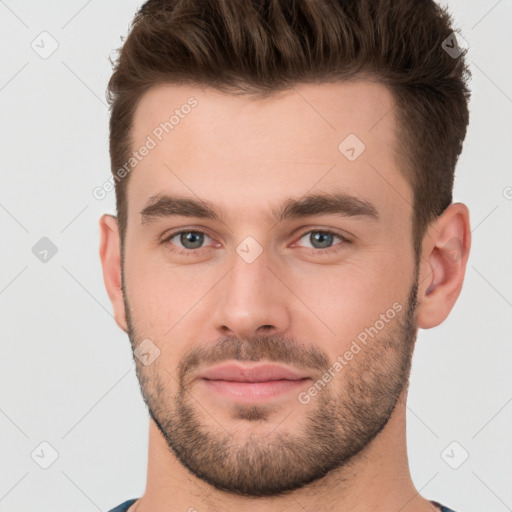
{"type": "Point", "coordinates": [195, 252]}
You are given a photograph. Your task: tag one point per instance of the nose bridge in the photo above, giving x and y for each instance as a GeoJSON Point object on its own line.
{"type": "Point", "coordinates": [251, 296]}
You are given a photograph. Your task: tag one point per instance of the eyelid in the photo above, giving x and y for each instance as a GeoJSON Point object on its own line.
{"type": "Point", "coordinates": [344, 239]}
{"type": "Point", "coordinates": [187, 229]}
{"type": "Point", "coordinates": [167, 237]}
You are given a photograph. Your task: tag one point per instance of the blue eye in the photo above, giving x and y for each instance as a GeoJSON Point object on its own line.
{"type": "Point", "coordinates": [190, 242]}
{"type": "Point", "coordinates": [194, 238]}
{"type": "Point", "coordinates": [321, 239]}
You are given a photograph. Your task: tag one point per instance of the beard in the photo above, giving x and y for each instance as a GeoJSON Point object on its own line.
{"type": "Point", "coordinates": [336, 428]}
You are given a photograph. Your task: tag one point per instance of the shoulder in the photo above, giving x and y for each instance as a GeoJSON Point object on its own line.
{"type": "Point", "coordinates": [124, 506]}
{"type": "Point", "coordinates": [442, 508]}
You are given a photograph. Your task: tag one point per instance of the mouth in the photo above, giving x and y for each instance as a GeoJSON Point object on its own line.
{"type": "Point", "coordinates": [242, 383]}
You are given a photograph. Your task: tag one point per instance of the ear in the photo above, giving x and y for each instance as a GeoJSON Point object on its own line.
{"type": "Point", "coordinates": [110, 256]}
{"type": "Point", "coordinates": [445, 254]}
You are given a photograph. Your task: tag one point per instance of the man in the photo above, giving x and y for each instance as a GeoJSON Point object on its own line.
{"type": "Point", "coordinates": [283, 174]}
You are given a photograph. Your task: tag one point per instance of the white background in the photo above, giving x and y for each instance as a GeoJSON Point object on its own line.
{"type": "Point", "coordinates": [66, 370]}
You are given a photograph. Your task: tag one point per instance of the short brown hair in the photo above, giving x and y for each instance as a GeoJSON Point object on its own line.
{"type": "Point", "coordinates": [258, 47]}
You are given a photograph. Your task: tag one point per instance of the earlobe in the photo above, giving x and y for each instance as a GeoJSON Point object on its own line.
{"type": "Point", "coordinates": [110, 256]}
{"type": "Point", "coordinates": [445, 253]}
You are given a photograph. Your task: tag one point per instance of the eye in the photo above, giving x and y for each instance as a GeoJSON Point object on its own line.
{"type": "Point", "coordinates": [190, 240]}
{"type": "Point", "coordinates": [323, 239]}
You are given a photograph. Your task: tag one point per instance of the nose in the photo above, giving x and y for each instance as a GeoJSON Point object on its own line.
{"type": "Point", "coordinates": [252, 300]}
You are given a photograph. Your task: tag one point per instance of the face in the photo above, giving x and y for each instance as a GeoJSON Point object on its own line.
{"type": "Point", "coordinates": [259, 233]}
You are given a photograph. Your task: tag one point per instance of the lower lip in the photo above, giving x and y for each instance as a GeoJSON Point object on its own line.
{"type": "Point", "coordinates": [253, 391]}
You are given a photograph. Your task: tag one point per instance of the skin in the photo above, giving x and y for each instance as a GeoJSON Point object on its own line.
{"type": "Point", "coordinates": [246, 156]}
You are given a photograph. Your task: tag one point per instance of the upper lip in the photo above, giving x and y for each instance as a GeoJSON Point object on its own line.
{"type": "Point", "coordinates": [243, 373]}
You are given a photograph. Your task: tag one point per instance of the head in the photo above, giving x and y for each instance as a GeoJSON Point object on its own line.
{"type": "Point", "coordinates": [266, 123]}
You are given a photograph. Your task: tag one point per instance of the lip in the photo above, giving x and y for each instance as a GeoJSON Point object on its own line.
{"type": "Point", "coordinates": [255, 373]}
{"type": "Point", "coordinates": [242, 383]}
{"type": "Point", "coordinates": [253, 391]}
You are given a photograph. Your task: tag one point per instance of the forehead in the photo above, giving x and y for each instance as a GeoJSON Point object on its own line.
{"type": "Point", "coordinates": [249, 154]}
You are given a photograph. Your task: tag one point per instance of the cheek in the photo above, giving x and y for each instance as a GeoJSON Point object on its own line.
{"type": "Point", "coordinates": [331, 302]}
{"type": "Point", "coordinates": [343, 301]}
{"type": "Point", "coordinates": [161, 295]}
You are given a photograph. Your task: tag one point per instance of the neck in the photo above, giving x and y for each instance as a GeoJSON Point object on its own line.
{"type": "Point", "coordinates": [378, 478]}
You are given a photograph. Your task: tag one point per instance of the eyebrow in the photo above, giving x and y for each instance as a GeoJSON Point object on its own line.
{"type": "Point", "coordinates": [342, 204]}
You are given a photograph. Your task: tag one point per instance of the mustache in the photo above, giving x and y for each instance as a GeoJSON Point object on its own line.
{"type": "Point", "coordinates": [274, 348]}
